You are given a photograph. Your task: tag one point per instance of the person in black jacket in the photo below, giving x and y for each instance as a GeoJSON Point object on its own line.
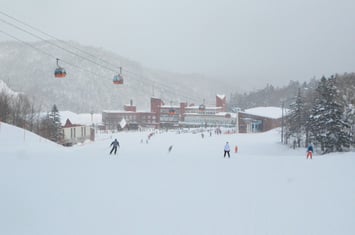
{"type": "Point", "coordinates": [114, 145]}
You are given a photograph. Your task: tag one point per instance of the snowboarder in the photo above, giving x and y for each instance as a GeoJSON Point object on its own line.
{"type": "Point", "coordinates": [226, 149]}
{"type": "Point", "coordinates": [114, 145]}
{"type": "Point", "coordinates": [309, 151]}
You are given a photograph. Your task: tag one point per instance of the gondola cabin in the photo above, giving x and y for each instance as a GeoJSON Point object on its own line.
{"type": "Point", "coordinates": [118, 79]}
{"type": "Point", "coordinates": [60, 73]}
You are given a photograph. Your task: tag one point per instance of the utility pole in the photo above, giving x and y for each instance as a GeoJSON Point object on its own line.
{"type": "Point", "coordinates": [282, 122]}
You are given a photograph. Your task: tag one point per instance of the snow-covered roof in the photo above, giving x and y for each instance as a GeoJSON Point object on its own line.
{"type": "Point", "coordinates": [82, 118]}
{"type": "Point", "coordinates": [206, 107]}
{"type": "Point", "coordinates": [170, 106]}
{"type": "Point", "coordinates": [117, 111]}
{"type": "Point", "coordinates": [269, 112]}
{"type": "Point", "coordinates": [221, 96]}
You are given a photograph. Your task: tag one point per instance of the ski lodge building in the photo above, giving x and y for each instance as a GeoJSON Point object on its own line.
{"type": "Point", "coordinates": [162, 115]}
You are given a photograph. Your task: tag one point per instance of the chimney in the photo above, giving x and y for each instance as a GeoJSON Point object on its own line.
{"type": "Point", "coordinates": [130, 107]}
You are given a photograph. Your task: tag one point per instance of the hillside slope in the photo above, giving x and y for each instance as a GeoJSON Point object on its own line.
{"type": "Point", "coordinates": [88, 86]}
{"type": "Point", "coordinates": [265, 188]}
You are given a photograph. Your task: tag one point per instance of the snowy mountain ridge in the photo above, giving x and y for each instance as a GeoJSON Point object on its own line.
{"type": "Point", "coordinates": [4, 88]}
{"type": "Point", "coordinates": [88, 85]}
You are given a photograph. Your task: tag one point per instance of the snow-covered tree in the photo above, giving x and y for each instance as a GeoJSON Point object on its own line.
{"type": "Point", "coordinates": [5, 107]}
{"type": "Point", "coordinates": [295, 121]}
{"type": "Point", "coordinates": [326, 123]}
{"type": "Point", "coordinates": [55, 127]}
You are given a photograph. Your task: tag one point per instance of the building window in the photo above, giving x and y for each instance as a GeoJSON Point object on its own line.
{"type": "Point", "coordinates": [83, 131]}
{"type": "Point", "coordinates": [73, 133]}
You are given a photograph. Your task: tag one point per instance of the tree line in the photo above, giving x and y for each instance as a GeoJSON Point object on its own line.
{"type": "Point", "coordinates": [325, 116]}
{"type": "Point", "coordinates": [21, 111]}
{"type": "Point", "coordinates": [319, 112]}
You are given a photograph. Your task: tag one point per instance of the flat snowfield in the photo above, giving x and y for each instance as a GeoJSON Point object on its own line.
{"type": "Point", "coordinates": [265, 188]}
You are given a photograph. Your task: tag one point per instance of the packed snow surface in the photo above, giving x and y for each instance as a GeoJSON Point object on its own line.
{"type": "Point", "coordinates": [264, 188]}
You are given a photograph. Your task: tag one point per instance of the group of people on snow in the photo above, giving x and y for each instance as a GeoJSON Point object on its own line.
{"type": "Point", "coordinates": [115, 144]}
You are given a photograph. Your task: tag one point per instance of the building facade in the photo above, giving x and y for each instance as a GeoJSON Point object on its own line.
{"type": "Point", "coordinates": [76, 133]}
{"type": "Point", "coordinates": [131, 119]}
{"type": "Point", "coordinates": [162, 115]}
{"type": "Point", "coordinates": [251, 123]}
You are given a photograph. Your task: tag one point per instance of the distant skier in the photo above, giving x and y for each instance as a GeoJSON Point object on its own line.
{"type": "Point", "coordinates": [226, 149]}
{"type": "Point", "coordinates": [114, 145]}
{"type": "Point", "coordinates": [309, 151]}
{"type": "Point", "coordinates": [170, 148]}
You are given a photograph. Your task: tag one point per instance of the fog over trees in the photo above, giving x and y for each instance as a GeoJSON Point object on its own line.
{"type": "Point", "coordinates": [321, 112]}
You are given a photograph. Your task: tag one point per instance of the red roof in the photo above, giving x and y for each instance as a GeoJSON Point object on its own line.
{"type": "Point", "coordinates": [69, 124]}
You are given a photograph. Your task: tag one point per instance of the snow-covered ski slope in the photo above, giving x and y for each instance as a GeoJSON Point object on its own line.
{"type": "Point", "coordinates": [265, 188]}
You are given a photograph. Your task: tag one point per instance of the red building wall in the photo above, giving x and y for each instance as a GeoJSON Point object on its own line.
{"type": "Point", "coordinates": [182, 110]}
{"type": "Point", "coordinates": [221, 101]}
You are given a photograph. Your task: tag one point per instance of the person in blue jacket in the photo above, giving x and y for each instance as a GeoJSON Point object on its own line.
{"type": "Point", "coordinates": [114, 145]}
{"type": "Point", "coordinates": [309, 151]}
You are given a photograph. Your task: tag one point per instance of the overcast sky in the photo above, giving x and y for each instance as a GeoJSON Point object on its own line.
{"type": "Point", "coordinates": [248, 41]}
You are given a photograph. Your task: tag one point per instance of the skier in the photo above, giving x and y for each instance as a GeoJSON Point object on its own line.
{"type": "Point", "coordinates": [309, 151]}
{"type": "Point", "coordinates": [236, 149]}
{"type": "Point", "coordinates": [226, 149]}
{"type": "Point", "coordinates": [114, 145]}
{"type": "Point", "coordinates": [170, 148]}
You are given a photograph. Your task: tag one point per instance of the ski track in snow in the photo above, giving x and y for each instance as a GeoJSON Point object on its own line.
{"type": "Point", "coordinates": [265, 188]}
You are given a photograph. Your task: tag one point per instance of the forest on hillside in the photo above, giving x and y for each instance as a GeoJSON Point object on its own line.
{"type": "Point", "coordinates": [320, 112]}
{"type": "Point", "coordinates": [270, 95]}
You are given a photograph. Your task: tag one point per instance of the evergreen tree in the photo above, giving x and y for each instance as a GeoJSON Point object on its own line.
{"type": "Point", "coordinates": [326, 122]}
{"type": "Point", "coordinates": [295, 121]}
{"type": "Point", "coordinates": [5, 107]}
{"type": "Point", "coordinates": [55, 128]}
